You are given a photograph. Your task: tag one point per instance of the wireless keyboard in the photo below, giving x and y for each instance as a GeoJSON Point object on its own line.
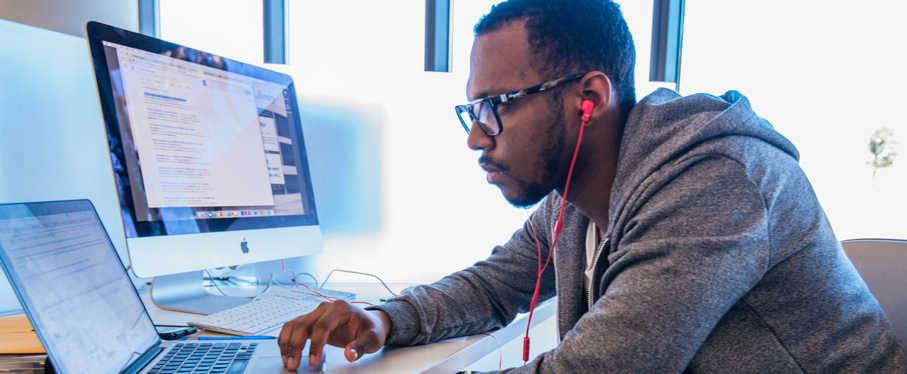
{"type": "Point", "coordinates": [267, 314]}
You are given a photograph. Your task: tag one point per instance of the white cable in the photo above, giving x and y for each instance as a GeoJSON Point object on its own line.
{"type": "Point", "coordinates": [356, 272]}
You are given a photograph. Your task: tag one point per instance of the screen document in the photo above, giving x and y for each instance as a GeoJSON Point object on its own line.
{"type": "Point", "coordinates": [90, 310]}
{"type": "Point", "coordinates": [201, 142]}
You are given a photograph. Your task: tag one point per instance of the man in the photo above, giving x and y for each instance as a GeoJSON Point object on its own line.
{"type": "Point", "coordinates": [691, 240]}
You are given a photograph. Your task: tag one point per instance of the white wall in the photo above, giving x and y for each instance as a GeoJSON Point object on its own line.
{"type": "Point", "coordinates": [70, 16]}
{"type": "Point", "coordinates": [20, 77]}
{"type": "Point", "coordinates": [52, 140]}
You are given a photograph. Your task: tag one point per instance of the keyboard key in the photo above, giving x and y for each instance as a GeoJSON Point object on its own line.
{"type": "Point", "coordinates": [267, 314]}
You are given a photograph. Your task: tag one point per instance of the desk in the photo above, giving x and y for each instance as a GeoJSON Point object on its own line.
{"type": "Point", "coordinates": [447, 356]}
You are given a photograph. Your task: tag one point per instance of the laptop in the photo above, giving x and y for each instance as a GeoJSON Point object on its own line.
{"type": "Point", "coordinates": [85, 309]}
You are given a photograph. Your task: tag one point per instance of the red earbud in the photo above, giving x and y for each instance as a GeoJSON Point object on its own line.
{"type": "Point", "coordinates": [587, 109]}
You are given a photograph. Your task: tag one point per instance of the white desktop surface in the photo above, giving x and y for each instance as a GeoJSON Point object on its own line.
{"type": "Point", "coordinates": [446, 356]}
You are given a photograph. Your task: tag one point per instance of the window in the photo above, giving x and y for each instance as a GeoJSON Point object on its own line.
{"type": "Point", "coordinates": [355, 60]}
{"type": "Point", "coordinates": [827, 75]}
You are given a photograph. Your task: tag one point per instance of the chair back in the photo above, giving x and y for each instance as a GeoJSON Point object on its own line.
{"type": "Point", "coordinates": [883, 265]}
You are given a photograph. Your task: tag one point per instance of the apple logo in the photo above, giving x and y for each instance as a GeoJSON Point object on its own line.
{"type": "Point", "coordinates": [244, 245]}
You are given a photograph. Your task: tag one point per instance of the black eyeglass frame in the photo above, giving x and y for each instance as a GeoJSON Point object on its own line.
{"type": "Point", "coordinates": [496, 100]}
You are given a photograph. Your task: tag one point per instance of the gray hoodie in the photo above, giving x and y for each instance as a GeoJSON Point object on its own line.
{"type": "Point", "coordinates": [718, 258]}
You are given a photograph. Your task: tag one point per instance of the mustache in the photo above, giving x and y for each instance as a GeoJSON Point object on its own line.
{"type": "Point", "coordinates": [490, 164]}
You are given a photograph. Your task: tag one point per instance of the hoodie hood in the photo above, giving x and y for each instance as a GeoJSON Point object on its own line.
{"type": "Point", "coordinates": [664, 125]}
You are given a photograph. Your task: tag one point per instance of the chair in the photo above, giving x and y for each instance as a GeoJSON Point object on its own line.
{"type": "Point", "coordinates": [883, 265]}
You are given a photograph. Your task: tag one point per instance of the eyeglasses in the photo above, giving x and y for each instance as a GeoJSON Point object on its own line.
{"type": "Point", "coordinates": [485, 111]}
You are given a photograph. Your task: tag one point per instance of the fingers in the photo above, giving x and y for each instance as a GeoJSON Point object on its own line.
{"type": "Point", "coordinates": [366, 342]}
{"type": "Point", "coordinates": [322, 330]}
{"type": "Point", "coordinates": [281, 345]}
{"type": "Point", "coordinates": [294, 334]}
{"type": "Point", "coordinates": [289, 351]}
{"type": "Point", "coordinates": [337, 323]}
{"type": "Point", "coordinates": [371, 337]}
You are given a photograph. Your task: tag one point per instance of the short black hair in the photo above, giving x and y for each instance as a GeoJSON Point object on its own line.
{"type": "Point", "coordinates": [571, 37]}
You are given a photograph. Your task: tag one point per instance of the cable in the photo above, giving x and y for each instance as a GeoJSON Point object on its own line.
{"type": "Point", "coordinates": [500, 351]}
{"type": "Point", "coordinates": [270, 279]}
{"type": "Point", "coordinates": [291, 286]}
{"type": "Point", "coordinates": [356, 272]}
{"type": "Point", "coordinates": [325, 281]}
{"type": "Point", "coordinates": [310, 276]}
{"type": "Point", "coordinates": [213, 282]}
{"type": "Point", "coordinates": [557, 230]}
{"type": "Point", "coordinates": [282, 267]}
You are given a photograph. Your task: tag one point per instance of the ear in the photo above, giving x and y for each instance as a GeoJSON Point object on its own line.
{"type": "Point", "coordinates": [596, 87]}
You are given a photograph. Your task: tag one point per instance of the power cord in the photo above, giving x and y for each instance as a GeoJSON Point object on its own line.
{"type": "Point", "coordinates": [214, 283]}
{"type": "Point", "coordinates": [296, 276]}
{"type": "Point", "coordinates": [290, 287]}
{"type": "Point", "coordinates": [293, 278]}
{"type": "Point", "coordinates": [360, 273]}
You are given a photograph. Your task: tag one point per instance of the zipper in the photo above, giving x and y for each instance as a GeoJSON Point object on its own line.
{"type": "Point", "coordinates": [557, 322]}
{"type": "Point", "coordinates": [601, 248]}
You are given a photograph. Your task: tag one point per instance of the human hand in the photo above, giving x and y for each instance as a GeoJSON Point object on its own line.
{"type": "Point", "coordinates": [336, 323]}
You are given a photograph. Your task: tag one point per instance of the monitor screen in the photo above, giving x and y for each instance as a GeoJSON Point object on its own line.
{"type": "Point", "coordinates": [208, 155]}
{"type": "Point", "coordinates": [67, 274]}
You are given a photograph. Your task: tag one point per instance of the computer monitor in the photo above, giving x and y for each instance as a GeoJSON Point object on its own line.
{"type": "Point", "coordinates": [209, 162]}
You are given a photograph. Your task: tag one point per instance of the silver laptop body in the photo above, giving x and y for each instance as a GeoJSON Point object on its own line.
{"type": "Point", "coordinates": [85, 309]}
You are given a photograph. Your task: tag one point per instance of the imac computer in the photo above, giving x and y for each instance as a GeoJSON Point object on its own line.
{"type": "Point", "coordinates": [209, 162]}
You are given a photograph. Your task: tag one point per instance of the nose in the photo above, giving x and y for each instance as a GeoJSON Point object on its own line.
{"type": "Point", "coordinates": [478, 139]}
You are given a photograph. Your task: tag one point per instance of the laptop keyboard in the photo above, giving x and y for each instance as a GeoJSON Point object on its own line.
{"type": "Point", "coordinates": [266, 314]}
{"type": "Point", "coordinates": [195, 358]}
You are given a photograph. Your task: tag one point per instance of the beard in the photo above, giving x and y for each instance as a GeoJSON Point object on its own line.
{"type": "Point", "coordinates": [529, 193]}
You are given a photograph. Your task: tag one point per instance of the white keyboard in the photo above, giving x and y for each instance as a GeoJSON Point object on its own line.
{"type": "Point", "coordinates": [266, 314]}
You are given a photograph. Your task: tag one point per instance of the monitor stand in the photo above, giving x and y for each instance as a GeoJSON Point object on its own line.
{"type": "Point", "coordinates": [185, 292]}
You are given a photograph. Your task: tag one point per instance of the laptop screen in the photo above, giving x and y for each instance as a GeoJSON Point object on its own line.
{"type": "Point", "coordinates": [73, 286]}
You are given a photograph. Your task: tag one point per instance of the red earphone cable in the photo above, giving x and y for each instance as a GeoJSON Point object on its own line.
{"type": "Point", "coordinates": [500, 352]}
{"type": "Point", "coordinates": [557, 230]}
{"type": "Point", "coordinates": [282, 267]}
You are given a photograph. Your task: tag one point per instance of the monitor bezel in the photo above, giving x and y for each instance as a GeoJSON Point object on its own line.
{"type": "Point", "coordinates": [97, 33]}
